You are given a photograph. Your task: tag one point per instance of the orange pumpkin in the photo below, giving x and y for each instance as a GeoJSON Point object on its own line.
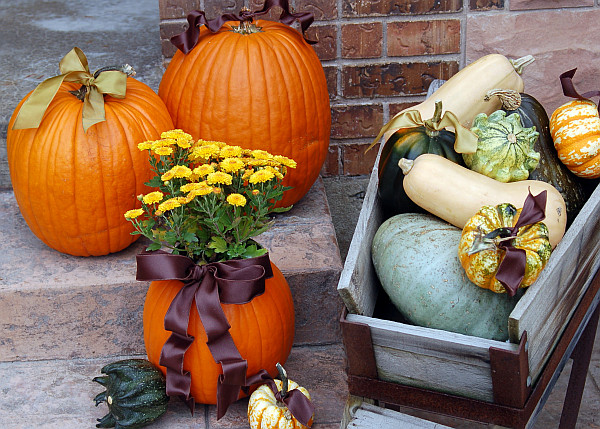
{"type": "Point", "coordinates": [262, 330]}
{"type": "Point", "coordinates": [72, 187]}
{"type": "Point", "coordinates": [263, 88]}
{"type": "Point", "coordinates": [575, 129]}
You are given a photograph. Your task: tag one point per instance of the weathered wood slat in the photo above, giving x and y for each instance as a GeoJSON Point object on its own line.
{"type": "Point", "coordinates": [551, 300]}
{"type": "Point", "coordinates": [369, 416]}
{"type": "Point", "coordinates": [358, 285]}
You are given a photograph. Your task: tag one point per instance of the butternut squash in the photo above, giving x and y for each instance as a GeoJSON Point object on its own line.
{"type": "Point", "coordinates": [464, 93]}
{"type": "Point", "coordinates": [455, 193]}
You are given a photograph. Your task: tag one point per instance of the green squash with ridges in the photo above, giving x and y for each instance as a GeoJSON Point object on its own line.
{"type": "Point", "coordinates": [135, 394]}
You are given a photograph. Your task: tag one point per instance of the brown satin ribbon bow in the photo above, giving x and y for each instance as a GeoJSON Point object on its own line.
{"type": "Point", "coordinates": [512, 268]}
{"type": "Point", "coordinates": [566, 81]}
{"type": "Point", "coordinates": [229, 282]}
{"type": "Point", "coordinates": [187, 40]}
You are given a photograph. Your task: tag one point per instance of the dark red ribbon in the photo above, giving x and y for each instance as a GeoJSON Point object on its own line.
{"type": "Point", "coordinates": [512, 268]}
{"type": "Point", "coordinates": [230, 282]}
{"type": "Point", "coordinates": [187, 40]}
{"type": "Point", "coordinates": [566, 81]}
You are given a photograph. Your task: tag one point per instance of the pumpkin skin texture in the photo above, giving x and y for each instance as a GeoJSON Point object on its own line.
{"type": "Point", "coordinates": [481, 267]}
{"type": "Point", "coordinates": [575, 129]}
{"type": "Point", "coordinates": [73, 187]}
{"type": "Point", "coordinates": [504, 149]}
{"type": "Point", "coordinates": [264, 90]}
{"type": "Point", "coordinates": [550, 169]}
{"type": "Point", "coordinates": [409, 143]}
{"type": "Point", "coordinates": [262, 330]}
{"type": "Point", "coordinates": [265, 413]}
{"type": "Point", "coordinates": [415, 258]}
{"type": "Point", "coordinates": [135, 394]}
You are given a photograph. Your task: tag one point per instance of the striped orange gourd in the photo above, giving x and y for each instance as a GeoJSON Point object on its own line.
{"type": "Point", "coordinates": [575, 130]}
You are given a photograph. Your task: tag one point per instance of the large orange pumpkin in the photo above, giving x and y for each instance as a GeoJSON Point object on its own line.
{"type": "Point", "coordinates": [259, 89]}
{"type": "Point", "coordinates": [575, 130]}
{"type": "Point", "coordinates": [262, 330]}
{"type": "Point", "coordinates": [72, 187]}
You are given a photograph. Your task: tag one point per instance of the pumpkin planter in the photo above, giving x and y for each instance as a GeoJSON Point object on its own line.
{"type": "Point", "coordinates": [262, 330]}
{"type": "Point", "coordinates": [72, 186]}
{"type": "Point", "coordinates": [257, 85]}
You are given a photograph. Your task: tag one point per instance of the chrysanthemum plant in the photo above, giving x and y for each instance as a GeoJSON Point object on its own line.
{"type": "Point", "coordinates": [211, 199]}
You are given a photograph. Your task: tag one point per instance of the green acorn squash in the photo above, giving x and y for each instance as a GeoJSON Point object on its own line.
{"type": "Point", "coordinates": [505, 148]}
{"type": "Point", "coordinates": [135, 394]}
{"type": "Point", "coordinates": [550, 169]}
{"type": "Point", "coordinates": [409, 143]}
{"type": "Point", "coordinates": [416, 260]}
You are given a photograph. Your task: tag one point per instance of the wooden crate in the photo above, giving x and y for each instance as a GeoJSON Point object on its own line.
{"type": "Point", "coordinates": [460, 365]}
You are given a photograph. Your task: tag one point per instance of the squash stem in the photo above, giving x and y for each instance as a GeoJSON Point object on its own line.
{"type": "Point", "coordinates": [284, 380]}
{"type": "Point", "coordinates": [510, 99]}
{"type": "Point", "coordinates": [405, 165]}
{"type": "Point", "coordinates": [431, 125]}
{"type": "Point", "coordinates": [520, 63]}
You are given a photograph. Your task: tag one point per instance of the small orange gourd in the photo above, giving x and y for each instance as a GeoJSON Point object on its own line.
{"type": "Point", "coordinates": [262, 330]}
{"type": "Point", "coordinates": [575, 130]}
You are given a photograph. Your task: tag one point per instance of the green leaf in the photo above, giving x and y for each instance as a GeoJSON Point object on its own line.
{"type": "Point", "coordinates": [154, 246]}
{"type": "Point", "coordinates": [189, 237]}
{"type": "Point", "coordinates": [253, 251]}
{"type": "Point", "coordinates": [155, 182]}
{"type": "Point", "coordinates": [282, 209]}
{"type": "Point", "coordinates": [218, 244]}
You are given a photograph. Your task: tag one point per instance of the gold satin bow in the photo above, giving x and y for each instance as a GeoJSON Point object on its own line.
{"type": "Point", "coordinates": [74, 68]}
{"type": "Point", "coordinates": [466, 141]}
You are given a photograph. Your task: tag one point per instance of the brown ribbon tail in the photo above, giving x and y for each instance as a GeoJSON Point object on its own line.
{"type": "Point", "coordinates": [566, 82]}
{"type": "Point", "coordinates": [187, 40]}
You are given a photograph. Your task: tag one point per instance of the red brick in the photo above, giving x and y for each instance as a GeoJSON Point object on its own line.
{"type": "Point", "coordinates": [331, 167]}
{"type": "Point", "coordinates": [399, 107]}
{"type": "Point", "coordinates": [423, 37]}
{"type": "Point", "coordinates": [548, 4]}
{"type": "Point", "coordinates": [352, 8]}
{"type": "Point", "coordinates": [386, 80]}
{"type": "Point", "coordinates": [326, 38]}
{"type": "Point", "coordinates": [356, 121]}
{"type": "Point", "coordinates": [362, 40]}
{"type": "Point", "coordinates": [356, 161]}
{"type": "Point", "coordinates": [169, 9]}
{"type": "Point", "coordinates": [486, 4]}
{"type": "Point", "coordinates": [331, 77]}
{"type": "Point", "coordinates": [169, 29]}
{"type": "Point", "coordinates": [321, 9]}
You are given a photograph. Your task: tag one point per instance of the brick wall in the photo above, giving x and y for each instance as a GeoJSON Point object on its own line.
{"type": "Point", "coordinates": [379, 56]}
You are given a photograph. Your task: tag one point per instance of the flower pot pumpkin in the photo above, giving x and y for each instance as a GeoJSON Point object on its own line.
{"type": "Point", "coordinates": [211, 200]}
{"type": "Point", "coordinates": [254, 84]}
{"type": "Point", "coordinates": [74, 164]}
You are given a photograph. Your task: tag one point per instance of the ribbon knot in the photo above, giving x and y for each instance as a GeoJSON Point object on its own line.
{"type": "Point", "coordinates": [74, 68]}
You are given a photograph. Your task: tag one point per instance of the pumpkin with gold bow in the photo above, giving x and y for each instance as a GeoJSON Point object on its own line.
{"type": "Point", "coordinates": [72, 155]}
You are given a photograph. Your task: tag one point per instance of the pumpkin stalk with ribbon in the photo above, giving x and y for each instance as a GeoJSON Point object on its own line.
{"type": "Point", "coordinates": [71, 144]}
{"type": "Point", "coordinates": [218, 314]}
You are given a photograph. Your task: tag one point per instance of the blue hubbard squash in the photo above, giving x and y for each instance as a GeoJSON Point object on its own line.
{"type": "Point", "coordinates": [416, 260]}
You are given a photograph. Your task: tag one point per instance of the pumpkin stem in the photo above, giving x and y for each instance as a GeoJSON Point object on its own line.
{"type": "Point", "coordinates": [125, 68]}
{"type": "Point", "coordinates": [510, 99]}
{"type": "Point", "coordinates": [405, 165]}
{"type": "Point", "coordinates": [432, 124]}
{"type": "Point", "coordinates": [519, 63]}
{"type": "Point", "coordinates": [284, 380]}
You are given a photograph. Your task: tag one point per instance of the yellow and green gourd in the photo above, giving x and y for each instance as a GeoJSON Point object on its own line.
{"type": "Point", "coordinates": [505, 149]}
{"type": "Point", "coordinates": [480, 256]}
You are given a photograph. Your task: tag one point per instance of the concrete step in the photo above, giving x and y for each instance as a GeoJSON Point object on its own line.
{"type": "Point", "coordinates": [56, 306]}
{"type": "Point", "coordinates": [58, 394]}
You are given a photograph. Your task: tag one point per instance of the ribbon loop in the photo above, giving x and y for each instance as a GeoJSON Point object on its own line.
{"type": "Point", "coordinates": [187, 40]}
{"type": "Point", "coordinates": [566, 82]}
{"type": "Point", "coordinates": [73, 68]}
{"type": "Point", "coordinates": [239, 281]}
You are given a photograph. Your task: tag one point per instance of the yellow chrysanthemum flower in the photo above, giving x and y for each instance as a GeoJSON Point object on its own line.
{"type": "Point", "coordinates": [230, 151]}
{"type": "Point", "coordinates": [188, 187]}
{"type": "Point", "coordinates": [231, 165]}
{"type": "Point", "coordinates": [153, 197]}
{"type": "Point", "coordinates": [236, 200]}
{"type": "Point", "coordinates": [201, 191]}
{"type": "Point", "coordinates": [132, 214]}
{"type": "Point", "coordinates": [181, 171]}
{"type": "Point", "coordinates": [218, 177]}
{"type": "Point", "coordinates": [255, 192]}
{"type": "Point", "coordinates": [261, 176]}
{"type": "Point", "coordinates": [170, 204]}
{"type": "Point", "coordinates": [203, 170]}
{"type": "Point", "coordinates": [247, 174]}
{"type": "Point", "coordinates": [176, 134]}
{"type": "Point", "coordinates": [261, 154]}
{"type": "Point", "coordinates": [204, 151]}
{"type": "Point", "coordinates": [163, 150]}
{"type": "Point", "coordinates": [257, 162]}
{"type": "Point", "coordinates": [167, 176]}
{"type": "Point", "coordinates": [275, 171]}
{"type": "Point", "coordinates": [147, 145]}
{"type": "Point", "coordinates": [283, 160]}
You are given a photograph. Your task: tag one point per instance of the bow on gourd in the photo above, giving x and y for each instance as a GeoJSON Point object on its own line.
{"type": "Point", "coordinates": [566, 82]}
{"type": "Point", "coordinates": [74, 68]}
